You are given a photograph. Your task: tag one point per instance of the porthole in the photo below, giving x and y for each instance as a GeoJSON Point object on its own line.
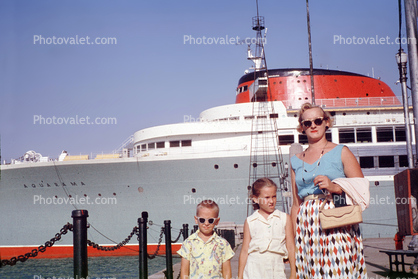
{"type": "Point", "coordinates": [140, 189]}
{"type": "Point", "coordinates": [216, 167]}
{"type": "Point", "coordinates": [193, 190]}
{"type": "Point", "coordinates": [236, 166]}
{"type": "Point", "coordinates": [254, 165]}
{"type": "Point", "coordinates": [273, 164]}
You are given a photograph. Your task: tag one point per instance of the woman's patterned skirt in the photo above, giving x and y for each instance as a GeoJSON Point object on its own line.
{"type": "Point", "coordinates": [334, 253]}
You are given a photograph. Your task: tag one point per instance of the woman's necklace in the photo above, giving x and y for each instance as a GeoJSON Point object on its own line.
{"type": "Point", "coordinates": [315, 169]}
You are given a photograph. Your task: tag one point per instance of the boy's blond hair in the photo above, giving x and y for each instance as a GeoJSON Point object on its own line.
{"type": "Point", "coordinates": [210, 204]}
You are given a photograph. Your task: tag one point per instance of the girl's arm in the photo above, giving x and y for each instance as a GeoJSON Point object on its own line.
{"type": "Point", "coordinates": [184, 268]}
{"type": "Point", "coordinates": [290, 245]}
{"type": "Point", "coordinates": [226, 270]}
{"type": "Point", "coordinates": [244, 251]}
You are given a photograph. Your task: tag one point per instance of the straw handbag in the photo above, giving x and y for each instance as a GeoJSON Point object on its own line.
{"type": "Point", "coordinates": [339, 216]}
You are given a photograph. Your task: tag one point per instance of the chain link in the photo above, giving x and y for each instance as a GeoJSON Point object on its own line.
{"type": "Point", "coordinates": [112, 248]}
{"type": "Point", "coordinates": [42, 248]}
{"type": "Point", "coordinates": [158, 246]}
{"type": "Point", "coordinates": [178, 237]}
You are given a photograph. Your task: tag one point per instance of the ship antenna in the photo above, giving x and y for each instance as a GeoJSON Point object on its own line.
{"type": "Point", "coordinates": [310, 53]}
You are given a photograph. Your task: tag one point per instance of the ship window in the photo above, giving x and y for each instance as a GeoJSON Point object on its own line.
{"type": "Point", "coordinates": [364, 134]}
{"type": "Point", "coordinates": [286, 139]}
{"type": "Point", "coordinates": [367, 162]}
{"type": "Point", "coordinates": [245, 87]}
{"type": "Point", "coordinates": [400, 134]}
{"type": "Point", "coordinates": [175, 143]}
{"type": "Point", "coordinates": [186, 143]}
{"type": "Point", "coordinates": [328, 136]}
{"type": "Point", "coordinates": [346, 135]}
{"type": "Point", "coordinates": [384, 134]}
{"type": "Point", "coordinates": [160, 144]}
{"type": "Point", "coordinates": [274, 115]}
{"type": "Point", "coordinates": [249, 117]}
{"type": "Point", "coordinates": [144, 147]}
{"type": "Point", "coordinates": [151, 145]}
{"type": "Point", "coordinates": [303, 139]}
{"type": "Point", "coordinates": [386, 161]}
{"type": "Point", "coordinates": [403, 161]}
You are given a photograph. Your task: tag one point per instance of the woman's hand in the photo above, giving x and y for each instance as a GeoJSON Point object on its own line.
{"type": "Point", "coordinates": [328, 187]}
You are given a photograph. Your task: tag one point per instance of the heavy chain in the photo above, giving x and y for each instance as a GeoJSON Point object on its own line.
{"type": "Point", "coordinates": [135, 230]}
{"type": "Point", "coordinates": [158, 246]}
{"type": "Point", "coordinates": [178, 237]}
{"type": "Point", "coordinates": [22, 258]}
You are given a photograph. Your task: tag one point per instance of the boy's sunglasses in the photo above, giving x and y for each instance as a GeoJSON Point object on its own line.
{"type": "Point", "coordinates": [308, 123]}
{"type": "Point", "coordinates": [203, 220]}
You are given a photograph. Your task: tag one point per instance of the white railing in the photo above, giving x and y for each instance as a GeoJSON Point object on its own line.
{"type": "Point", "coordinates": [350, 102]}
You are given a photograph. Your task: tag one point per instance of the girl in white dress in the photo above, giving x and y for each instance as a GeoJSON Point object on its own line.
{"type": "Point", "coordinates": [268, 237]}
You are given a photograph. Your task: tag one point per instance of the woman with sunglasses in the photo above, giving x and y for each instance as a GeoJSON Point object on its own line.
{"type": "Point", "coordinates": [333, 253]}
{"type": "Point", "coordinates": [268, 237]}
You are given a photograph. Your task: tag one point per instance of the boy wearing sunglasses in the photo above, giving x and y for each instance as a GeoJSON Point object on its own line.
{"type": "Point", "coordinates": [205, 254]}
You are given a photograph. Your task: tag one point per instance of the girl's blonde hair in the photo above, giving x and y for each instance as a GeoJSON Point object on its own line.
{"type": "Point", "coordinates": [257, 186]}
{"type": "Point", "coordinates": [306, 106]}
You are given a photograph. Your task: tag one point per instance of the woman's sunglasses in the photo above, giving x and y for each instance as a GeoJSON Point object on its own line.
{"type": "Point", "coordinates": [308, 123]}
{"type": "Point", "coordinates": [203, 220]}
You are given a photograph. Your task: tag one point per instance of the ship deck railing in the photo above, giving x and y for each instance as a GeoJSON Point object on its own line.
{"type": "Point", "coordinates": [349, 102]}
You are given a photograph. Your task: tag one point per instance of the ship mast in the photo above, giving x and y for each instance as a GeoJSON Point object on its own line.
{"type": "Point", "coordinates": [258, 56]}
{"type": "Point", "coordinates": [266, 159]}
{"type": "Point", "coordinates": [308, 20]}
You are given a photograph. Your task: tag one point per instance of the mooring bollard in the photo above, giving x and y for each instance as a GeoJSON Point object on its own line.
{"type": "Point", "coordinates": [80, 243]}
{"type": "Point", "coordinates": [143, 253]}
{"type": "Point", "coordinates": [185, 231]}
{"type": "Point", "coordinates": [168, 255]}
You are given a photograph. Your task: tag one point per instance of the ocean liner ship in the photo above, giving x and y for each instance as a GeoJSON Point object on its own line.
{"type": "Point", "coordinates": [166, 170]}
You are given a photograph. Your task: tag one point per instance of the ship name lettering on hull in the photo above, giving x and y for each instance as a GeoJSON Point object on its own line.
{"type": "Point", "coordinates": [56, 184]}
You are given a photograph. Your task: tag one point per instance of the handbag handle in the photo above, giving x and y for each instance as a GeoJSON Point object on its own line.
{"type": "Point", "coordinates": [323, 204]}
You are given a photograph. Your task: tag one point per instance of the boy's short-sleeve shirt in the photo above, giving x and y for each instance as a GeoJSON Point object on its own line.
{"type": "Point", "coordinates": [206, 259]}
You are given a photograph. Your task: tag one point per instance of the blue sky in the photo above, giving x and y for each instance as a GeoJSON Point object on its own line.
{"type": "Point", "coordinates": [150, 76]}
